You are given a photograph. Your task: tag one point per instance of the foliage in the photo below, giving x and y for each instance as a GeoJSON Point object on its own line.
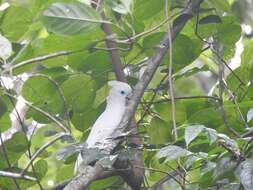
{"type": "Point", "coordinates": [214, 120]}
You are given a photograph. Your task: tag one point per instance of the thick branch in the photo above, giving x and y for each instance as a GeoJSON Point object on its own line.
{"type": "Point", "coordinates": [133, 177]}
{"type": "Point", "coordinates": [90, 174]}
{"type": "Point", "coordinates": [116, 62]}
{"type": "Point", "coordinates": [165, 179]}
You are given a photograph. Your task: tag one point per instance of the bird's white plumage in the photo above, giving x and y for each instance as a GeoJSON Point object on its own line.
{"type": "Point", "coordinates": [109, 120]}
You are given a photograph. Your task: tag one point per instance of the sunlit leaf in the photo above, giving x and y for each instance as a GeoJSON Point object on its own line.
{"type": "Point", "coordinates": [172, 152]}
{"type": "Point", "coordinates": [192, 132]}
{"type": "Point", "coordinates": [70, 18]}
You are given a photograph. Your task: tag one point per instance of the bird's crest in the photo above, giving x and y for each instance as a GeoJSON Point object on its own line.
{"type": "Point", "coordinates": [117, 85]}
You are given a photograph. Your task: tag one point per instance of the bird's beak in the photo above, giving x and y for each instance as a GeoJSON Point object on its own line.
{"type": "Point", "coordinates": [129, 97]}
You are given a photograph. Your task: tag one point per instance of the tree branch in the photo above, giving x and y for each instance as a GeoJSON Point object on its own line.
{"type": "Point", "coordinates": [116, 62]}
{"type": "Point", "coordinates": [134, 176]}
{"type": "Point", "coordinates": [16, 175]}
{"type": "Point", "coordinates": [87, 176]}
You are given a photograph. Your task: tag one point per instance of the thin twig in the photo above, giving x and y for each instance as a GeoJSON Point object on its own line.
{"type": "Point", "coordinates": [152, 99]}
{"type": "Point", "coordinates": [166, 178]}
{"type": "Point", "coordinates": [40, 58]}
{"type": "Point", "coordinates": [16, 175]}
{"type": "Point", "coordinates": [41, 149]}
{"type": "Point", "coordinates": [186, 98]}
{"type": "Point", "coordinates": [20, 120]}
{"type": "Point", "coordinates": [65, 129]}
{"type": "Point", "coordinates": [170, 78]}
{"type": "Point", "coordinates": [131, 39]}
{"type": "Point", "coordinates": [7, 159]}
{"type": "Point", "coordinates": [160, 171]}
{"type": "Point", "coordinates": [219, 50]}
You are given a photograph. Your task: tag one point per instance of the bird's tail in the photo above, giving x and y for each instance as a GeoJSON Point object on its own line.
{"type": "Point", "coordinates": [65, 152]}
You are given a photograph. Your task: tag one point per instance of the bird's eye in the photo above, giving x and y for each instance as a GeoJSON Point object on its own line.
{"type": "Point", "coordinates": [122, 92]}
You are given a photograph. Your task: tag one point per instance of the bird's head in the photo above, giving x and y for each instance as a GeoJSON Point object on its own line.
{"type": "Point", "coordinates": [119, 91]}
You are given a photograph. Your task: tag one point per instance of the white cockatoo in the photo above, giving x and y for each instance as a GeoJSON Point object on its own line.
{"type": "Point", "coordinates": [104, 128]}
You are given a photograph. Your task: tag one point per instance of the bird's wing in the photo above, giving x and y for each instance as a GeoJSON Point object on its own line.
{"type": "Point", "coordinates": [105, 126]}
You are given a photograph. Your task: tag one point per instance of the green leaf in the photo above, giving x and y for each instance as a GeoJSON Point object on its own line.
{"type": "Point", "coordinates": [16, 22]}
{"type": "Point", "coordinates": [58, 74]}
{"type": "Point", "coordinates": [151, 41]}
{"type": "Point", "coordinates": [181, 19]}
{"type": "Point", "coordinates": [18, 143]}
{"type": "Point", "coordinates": [185, 51]}
{"type": "Point", "coordinates": [192, 132]}
{"type": "Point", "coordinates": [45, 94]}
{"type": "Point", "coordinates": [41, 168]}
{"type": "Point", "coordinates": [247, 57]}
{"type": "Point", "coordinates": [229, 31]}
{"type": "Point", "coordinates": [122, 7]}
{"type": "Point", "coordinates": [84, 120]}
{"type": "Point", "coordinates": [107, 182]}
{"type": "Point", "coordinates": [246, 174]}
{"type": "Point", "coordinates": [159, 131]}
{"type": "Point", "coordinates": [172, 152]}
{"type": "Point", "coordinates": [64, 172]}
{"type": "Point", "coordinates": [210, 19]}
{"type": "Point", "coordinates": [144, 9]}
{"type": "Point", "coordinates": [3, 107]}
{"type": "Point", "coordinates": [79, 91]}
{"type": "Point", "coordinates": [221, 5]}
{"type": "Point", "coordinates": [211, 134]}
{"type": "Point", "coordinates": [70, 18]}
{"type": "Point", "coordinates": [208, 117]}
{"type": "Point", "coordinates": [15, 148]}
{"type": "Point", "coordinates": [5, 121]}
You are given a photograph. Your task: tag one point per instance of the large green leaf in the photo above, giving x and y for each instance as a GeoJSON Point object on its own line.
{"type": "Point", "coordinates": [41, 168]}
{"type": "Point", "coordinates": [229, 31]}
{"type": "Point", "coordinates": [144, 9]}
{"type": "Point", "coordinates": [70, 18]}
{"type": "Point", "coordinates": [79, 91]}
{"type": "Point", "coordinates": [151, 41]}
{"type": "Point", "coordinates": [16, 22]}
{"type": "Point", "coordinates": [5, 107]}
{"type": "Point", "coordinates": [172, 152]}
{"type": "Point", "coordinates": [185, 51]}
{"type": "Point", "coordinates": [15, 148]}
{"type": "Point", "coordinates": [85, 119]}
{"type": "Point", "coordinates": [159, 131]}
{"type": "Point", "coordinates": [246, 55]}
{"type": "Point", "coordinates": [99, 64]}
{"type": "Point", "coordinates": [192, 132]}
{"type": "Point", "coordinates": [221, 5]}
{"type": "Point", "coordinates": [44, 93]}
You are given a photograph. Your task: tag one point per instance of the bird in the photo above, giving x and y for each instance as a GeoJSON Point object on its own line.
{"type": "Point", "coordinates": [106, 124]}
